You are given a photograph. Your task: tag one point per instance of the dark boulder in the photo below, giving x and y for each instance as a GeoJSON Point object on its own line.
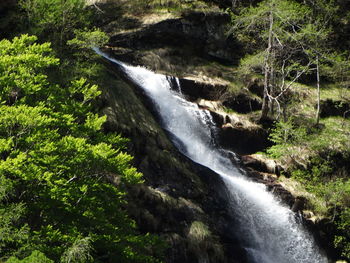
{"type": "Point", "coordinates": [243, 140]}
{"type": "Point", "coordinates": [201, 90]}
{"type": "Point", "coordinates": [334, 108]}
{"type": "Point", "coordinates": [256, 86]}
{"type": "Point", "coordinates": [242, 103]}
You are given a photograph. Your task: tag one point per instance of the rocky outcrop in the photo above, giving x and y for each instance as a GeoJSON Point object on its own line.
{"type": "Point", "coordinates": [195, 89]}
{"type": "Point", "coordinates": [171, 43]}
{"type": "Point", "coordinates": [241, 139]}
{"type": "Point", "coordinates": [264, 170]}
{"type": "Point", "coordinates": [235, 132]}
{"type": "Point", "coordinates": [260, 163]}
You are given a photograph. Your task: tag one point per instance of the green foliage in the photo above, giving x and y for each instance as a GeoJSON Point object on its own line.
{"type": "Point", "coordinates": [79, 252]}
{"type": "Point", "coordinates": [287, 139]}
{"type": "Point", "coordinates": [88, 39]}
{"type": "Point", "coordinates": [283, 42]}
{"type": "Point", "coordinates": [335, 193]}
{"type": "Point", "coordinates": [56, 168]}
{"type": "Point", "coordinates": [55, 20]}
{"type": "Point", "coordinates": [35, 257]}
{"type": "Point", "coordinates": [253, 24]}
{"type": "Point", "coordinates": [251, 64]}
{"type": "Point", "coordinates": [22, 62]}
{"type": "Point", "coordinates": [343, 241]}
{"type": "Point", "coordinates": [318, 159]}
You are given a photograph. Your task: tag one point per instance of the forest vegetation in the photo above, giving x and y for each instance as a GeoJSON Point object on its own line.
{"type": "Point", "coordinates": [299, 47]}
{"type": "Point", "coordinates": [58, 202]}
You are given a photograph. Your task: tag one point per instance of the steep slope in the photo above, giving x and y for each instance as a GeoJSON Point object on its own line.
{"type": "Point", "coordinates": [192, 45]}
{"type": "Point", "coordinates": [180, 200]}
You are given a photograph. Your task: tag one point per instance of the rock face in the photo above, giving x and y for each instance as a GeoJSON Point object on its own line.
{"type": "Point", "coordinates": [262, 164]}
{"type": "Point", "coordinates": [235, 132]}
{"type": "Point", "coordinates": [173, 43]}
{"type": "Point", "coordinates": [265, 171]}
{"type": "Point", "coordinates": [180, 200]}
{"type": "Point", "coordinates": [201, 31]}
{"type": "Point", "coordinates": [183, 202]}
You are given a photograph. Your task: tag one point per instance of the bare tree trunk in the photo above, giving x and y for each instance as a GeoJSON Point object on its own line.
{"type": "Point", "coordinates": [272, 78]}
{"type": "Point", "coordinates": [265, 105]}
{"type": "Point", "coordinates": [284, 112]}
{"type": "Point", "coordinates": [318, 92]}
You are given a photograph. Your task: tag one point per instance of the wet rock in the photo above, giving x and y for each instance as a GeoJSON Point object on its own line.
{"type": "Point", "coordinates": [321, 228]}
{"type": "Point", "coordinates": [210, 105]}
{"type": "Point", "coordinates": [227, 119]}
{"type": "Point", "coordinates": [299, 204]}
{"type": "Point", "coordinates": [218, 118]}
{"type": "Point", "coordinates": [272, 185]}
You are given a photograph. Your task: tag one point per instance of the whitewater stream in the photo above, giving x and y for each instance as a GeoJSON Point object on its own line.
{"type": "Point", "coordinates": [268, 231]}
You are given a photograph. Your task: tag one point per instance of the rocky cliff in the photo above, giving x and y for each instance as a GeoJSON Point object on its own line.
{"type": "Point", "coordinates": [181, 200]}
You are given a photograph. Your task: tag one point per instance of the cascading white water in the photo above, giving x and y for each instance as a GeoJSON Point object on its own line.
{"type": "Point", "coordinates": [268, 230]}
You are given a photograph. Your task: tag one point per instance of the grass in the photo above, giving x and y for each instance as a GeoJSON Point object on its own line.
{"type": "Point", "coordinates": [334, 92]}
{"type": "Point", "coordinates": [199, 231]}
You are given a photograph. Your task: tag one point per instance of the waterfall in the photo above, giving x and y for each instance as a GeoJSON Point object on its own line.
{"type": "Point", "coordinates": [269, 231]}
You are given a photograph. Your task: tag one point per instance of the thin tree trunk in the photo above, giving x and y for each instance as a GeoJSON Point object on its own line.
{"type": "Point", "coordinates": [265, 106]}
{"type": "Point", "coordinates": [272, 77]}
{"type": "Point", "coordinates": [318, 92]}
